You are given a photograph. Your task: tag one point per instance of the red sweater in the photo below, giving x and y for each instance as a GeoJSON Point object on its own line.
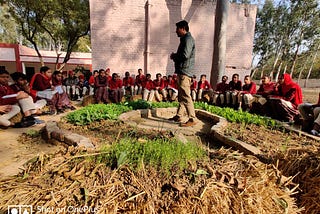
{"type": "Point", "coordinates": [266, 89]}
{"type": "Point", "coordinates": [7, 90]}
{"type": "Point", "coordinates": [158, 83]}
{"type": "Point", "coordinates": [193, 85]}
{"type": "Point", "coordinates": [140, 79]}
{"type": "Point", "coordinates": [91, 80]}
{"type": "Point", "coordinates": [222, 87]}
{"type": "Point", "coordinates": [204, 85]}
{"type": "Point", "coordinates": [249, 89]}
{"type": "Point", "coordinates": [148, 84]}
{"type": "Point", "coordinates": [39, 82]}
{"type": "Point", "coordinates": [100, 81]}
{"type": "Point", "coordinates": [115, 84]}
{"type": "Point", "coordinates": [128, 81]}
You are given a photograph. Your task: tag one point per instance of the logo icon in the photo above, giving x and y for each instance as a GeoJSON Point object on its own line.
{"type": "Point", "coordinates": [20, 209]}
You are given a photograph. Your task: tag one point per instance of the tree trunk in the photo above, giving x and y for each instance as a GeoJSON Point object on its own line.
{"type": "Point", "coordinates": [38, 52]}
{"type": "Point", "coordinates": [311, 67]}
{"type": "Point", "coordinates": [275, 61]}
{"type": "Point", "coordinates": [220, 42]}
{"type": "Point", "coordinates": [295, 58]}
{"type": "Point", "coordinates": [278, 72]}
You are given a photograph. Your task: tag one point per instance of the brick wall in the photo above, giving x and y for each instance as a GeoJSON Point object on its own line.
{"type": "Point", "coordinates": [119, 30]}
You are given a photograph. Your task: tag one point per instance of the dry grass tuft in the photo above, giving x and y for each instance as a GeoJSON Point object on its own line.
{"type": "Point", "coordinates": [229, 183]}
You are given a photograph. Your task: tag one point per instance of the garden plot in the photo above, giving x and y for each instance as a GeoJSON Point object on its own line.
{"type": "Point", "coordinates": [148, 171]}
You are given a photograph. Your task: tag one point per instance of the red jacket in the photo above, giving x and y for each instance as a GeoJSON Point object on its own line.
{"type": "Point", "coordinates": [222, 87]}
{"type": "Point", "coordinates": [266, 89]}
{"type": "Point", "coordinates": [39, 82]}
{"type": "Point", "coordinates": [249, 89]}
{"type": "Point", "coordinates": [91, 80]}
{"type": "Point", "coordinates": [193, 85]}
{"type": "Point", "coordinates": [115, 84]}
{"type": "Point", "coordinates": [140, 79]}
{"type": "Point", "coordinates": [204, 85]}
{"type": "Point", "coordinates": [128, 81]}
{"type": "Point", "coordinates": [148, 84]}
{"type": "Point", "coordinates": [158, 83]}
{"type": "Point", "coordinates": [100, 81]}
{"type": "Point", "coordinates": [7, 90]}
{"type": "Point", "coordinates": [173, 84]}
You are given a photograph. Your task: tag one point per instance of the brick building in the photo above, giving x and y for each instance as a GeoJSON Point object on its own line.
{"type": "Point", "coordinates": [15, 57]}
{"type": "Point", "coordinates": [127, 35]}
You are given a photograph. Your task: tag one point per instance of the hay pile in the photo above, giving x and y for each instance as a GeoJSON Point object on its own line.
{"type": "Point", "coordinates": [229, 183]}
{"type": "Point", "coordinates": [305, 166]}
{"type": "Point", "coordinates": [297, 156]}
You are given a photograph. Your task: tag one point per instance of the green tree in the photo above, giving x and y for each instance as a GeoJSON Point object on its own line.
{"type": "Point", "coordinates": [58, 24]}
{"type": "Point", "coordinates": [8, 27]}
{"type": "Point", "coordinates": [284, 31]}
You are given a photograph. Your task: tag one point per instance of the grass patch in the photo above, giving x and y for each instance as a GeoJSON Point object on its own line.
{"type": "Point", "coordinates": [96, 112]}
{"type": "Point", "coordinates": [239, 116]}
{"type": "Point", "coordinates": [164, 154]}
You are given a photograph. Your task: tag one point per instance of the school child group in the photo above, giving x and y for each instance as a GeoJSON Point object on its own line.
{"type": "Point", "coordinates": [281, 100]}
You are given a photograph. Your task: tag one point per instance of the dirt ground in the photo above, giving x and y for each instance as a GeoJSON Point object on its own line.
{"type": "Point", "coordinates": [15, 151]}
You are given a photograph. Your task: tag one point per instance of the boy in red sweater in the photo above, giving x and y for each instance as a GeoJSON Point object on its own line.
{"type": "Point", "coordinates": [204, 87]}
{"type": "Point", "coordinates": [128, 84]}
{"type": "Point", "coordinates": [148, 88]}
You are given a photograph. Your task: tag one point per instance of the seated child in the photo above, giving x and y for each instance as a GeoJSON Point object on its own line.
{"type": "Point", "coordinates": [204, 87]}
{"type": "Point", "coordinates": [148, 88]}
{"type": "Point", "coordinates": [220, 91]}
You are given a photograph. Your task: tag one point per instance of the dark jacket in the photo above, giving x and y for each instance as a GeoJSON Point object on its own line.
{"type": "Point", "coordinates": [184, 59]}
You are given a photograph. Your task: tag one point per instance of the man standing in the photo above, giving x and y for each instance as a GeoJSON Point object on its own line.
{"type": "Point", "coordinates": [183, 62]}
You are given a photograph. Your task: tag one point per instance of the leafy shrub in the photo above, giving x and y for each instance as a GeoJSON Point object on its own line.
{"type": "Point", "coordinates": [238, 116]}
{"type": "Point", "coordinates": [142, 104]}
{"type": "Point", "coordinates": [138, 104]}
{"type": "Point", "coordinates": [96, 112]}
{"type": "Point", "coordinates": [164, 154]}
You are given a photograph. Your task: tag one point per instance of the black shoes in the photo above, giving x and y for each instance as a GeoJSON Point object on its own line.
{"type": "Point", "coordinates": [175, 119]}
{"type": "Point", "coordinates": [25, 122]}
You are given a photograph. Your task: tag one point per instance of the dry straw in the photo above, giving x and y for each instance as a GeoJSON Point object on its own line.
{"type": "Point", "coordinates": [229, 183]}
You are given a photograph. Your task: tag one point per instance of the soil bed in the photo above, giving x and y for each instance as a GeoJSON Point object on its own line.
{"type": "Point", "coordinates": [224, 181]}
{"type": "Point", "coordinates": [295, 155]}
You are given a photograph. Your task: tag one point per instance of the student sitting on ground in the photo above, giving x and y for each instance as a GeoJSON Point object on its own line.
{"type": "Point", "coordinates": [41, 88]}
{"type": "Point", "coordinates": [193, 88]}
{"type": "Point", "coordinates": [311, 117]}
{"type": "Point", "coordinates": [8, 97]}
{"type": "Point", "coordinates": [71, 83]}
{"type": "Point", "coordinates": [21, 84]}
{"type": "Point", "coordinates": [63, 99]}
{"type": "Point", "coordinates": [140, 79]}
{"type": "Point", "coordinates": [115, 88]}
{"type": "Point", "coordinates": [159, 88]}
{"type": "Point", "coordinates": [204, 87]}
{"type": "Point", "coordinates": [286, 98]}
{"type": "Point", "coordinates": [248, 90]}
{"type": "Point", "coordinates": [91, 82]}
{"type": "Point", "coordinates": [172, 88]}
{"type": "Point", "coordinates": [148, 88]}
{"type": "Point", "coordinates": [82, 87]}
{"type": "Point", "coordinates": [220, 91]}
{"type": "Point", "coordinates": [101, 87]}
{"type": "Point", "coordinates": [259, 104]}
{"type": "Point", "coordinates": [128, 84]}
{"type": "Point", "coordinates": [235, 86]}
